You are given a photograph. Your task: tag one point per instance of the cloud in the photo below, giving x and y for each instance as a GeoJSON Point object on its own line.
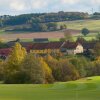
{"type": "Point", "coordinates": [38, 4]}
{"type": "Point", "coordinates": [31, 6]}
{"type": "Point", "coordinates": [70, 1]}
{"type": "Point", "coordinates": [17, 5]}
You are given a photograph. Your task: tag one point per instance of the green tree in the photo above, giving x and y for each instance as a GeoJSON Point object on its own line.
{"type": "Point", "coordinates": [32, 70]}
{"type": "Point", "coordinates": [85, 31]}
{"type": "Point", "coordinates": [98, 37]}
{"type": "Point", "coordinates": [63, 27]}
{"type": "Point", "coordinates": [43, 27]}
{"type": "Point", "coordinates": [97, 49]}
{"type": "Point", "coordinates": [52, 26]}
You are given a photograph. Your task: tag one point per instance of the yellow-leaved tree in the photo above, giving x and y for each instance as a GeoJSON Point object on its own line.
{"type": "Point", "coordinates": [13, 62]}
{"type": "Point", "coordinates": [47, 70]}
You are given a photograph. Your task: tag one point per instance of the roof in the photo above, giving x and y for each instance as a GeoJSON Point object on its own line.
{"type": "Point", "coordinates": [89, 45]}
{"type": "Point", "coordinates": [39, 46]}
{"type": "Point", "coordinates": [24, 44]}
{"type": "Point", "coordinates": [70, 45]}
{"type": "Point", "coordinates": [41, 40]}
{"type": "Point", "coordinates": [54, 45]}
{"type": "Point", "coordinates": [50, 45]}
{"type": "Point", "coordinates": [5, 52]}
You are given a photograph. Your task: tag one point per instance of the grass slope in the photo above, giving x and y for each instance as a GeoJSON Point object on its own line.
{"type": "Point", "coordinates": [90, 24]}
{"type": "Point", "coordinates": [84, 89]}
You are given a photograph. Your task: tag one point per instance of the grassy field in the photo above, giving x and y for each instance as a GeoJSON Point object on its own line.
{"type": "Point", "coordinates": [84, 89]}
{"type": "Point", "coordinates": [76, 26]}
{"type": "Point", "coordinates": [90, 24]}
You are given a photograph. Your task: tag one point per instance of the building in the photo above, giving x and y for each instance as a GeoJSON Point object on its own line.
{"type": "Point", "coordinates": [72, 48]}
{"type": "Point", "coordinates": [5, 52]}
{"type": "Point", "coordinates": [68, 48]}
{"type": "Point", "coordinates": [41, 40]}
{"type": "Point", "coordinates": [46, 48]}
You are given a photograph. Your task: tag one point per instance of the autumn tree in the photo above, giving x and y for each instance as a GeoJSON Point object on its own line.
{"type": "Point", "coordinates": [13, 62]}
{"type": "Point", "coordinates": [1, 70]}
{"type": "Point", "coordinates": [32, 70]}
{"type": "Point", "coordinates": [47, 71]}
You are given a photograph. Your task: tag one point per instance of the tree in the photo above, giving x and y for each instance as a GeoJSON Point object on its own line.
{"type": "Point", "coordinates": [98, 37]}
{"type": "Point", "coordinates": [62, 69]}
{"type": "Point", "coordinates": [32, 70]}
{"type": "Point", "coordinates": [52, 26]}
{"type": "Point", "coordinates": [63, 27]}
{"type": "Point", "coordinates": [1, 70]}
{"type": "Point", "coordinates": [39, 27]}
{"type": "Point", "coordinates": [47, 71]}
{"type": "Point", "coordinates": [13, 62]}
{"type": "Point", "coordinates": [43, 27]}
{"type": "Point", "coordinates": [82, 65]}
{"type": "Point", "coordinates": [67, 71]}
{"type": "Point", "coordinates": [85, 31]}
{"type": "Point", "coordinates": [97, 49]}
{"type": "Point", "coordinates": [80, 40]}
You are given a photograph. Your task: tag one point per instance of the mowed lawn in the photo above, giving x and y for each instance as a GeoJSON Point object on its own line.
{"type": "Point", "coordinates": [84, 89]}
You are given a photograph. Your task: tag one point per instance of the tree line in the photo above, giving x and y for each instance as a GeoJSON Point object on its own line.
{"type": "Point", "coordinates": [40, 20]}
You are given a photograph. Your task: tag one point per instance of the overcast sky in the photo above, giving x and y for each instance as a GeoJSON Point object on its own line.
{"type": "Point", "coordinates": [14, 7]}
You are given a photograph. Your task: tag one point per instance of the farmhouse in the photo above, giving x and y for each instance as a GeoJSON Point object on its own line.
{"type": "Point", "coordinates": [72, 48]}
{"type": "Point", "coordinates": [68, 48]}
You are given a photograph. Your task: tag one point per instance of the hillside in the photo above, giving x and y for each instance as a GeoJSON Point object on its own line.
{"type": "Point", "coordinates": [84, 89]}
{"type": "Point", "coordinates": [93, 25]}
{"type": "Point", "coordinates": [73, 26]}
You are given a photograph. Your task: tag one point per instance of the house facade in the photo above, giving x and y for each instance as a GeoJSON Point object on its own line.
{"type": "Point", "coordinates": [46, 48]}
{"type": "Point", "coordinates": [69, 48]}
{"type": "Point", "coordinates": [72, 48]}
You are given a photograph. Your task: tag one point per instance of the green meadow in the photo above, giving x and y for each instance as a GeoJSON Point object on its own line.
{"type": "Point", "coordinates": [84, 89]}
{"type": "Point", "coordinates": [90, 24]}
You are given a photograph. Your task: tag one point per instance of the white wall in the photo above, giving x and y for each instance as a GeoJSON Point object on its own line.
{"type": "Point", "coordinates": [79, 49]}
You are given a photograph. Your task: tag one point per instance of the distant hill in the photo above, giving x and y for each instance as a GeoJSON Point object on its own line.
{"type": "Point", "coordinates": [39, 21]}
{"type": "Point", "coordinates": [42, 22]}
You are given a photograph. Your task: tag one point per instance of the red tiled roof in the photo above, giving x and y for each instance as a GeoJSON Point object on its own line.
{"type": "Point", "coordinates": [70, 45]}
{"type": "Point", "coordinates": [51, 45]}
{"type": "Point", "coordinates": [5, 52]}
{"type": "Point", "coordinates": [39, 46]}
{"type": "Point", "coordinates": [54, 45]}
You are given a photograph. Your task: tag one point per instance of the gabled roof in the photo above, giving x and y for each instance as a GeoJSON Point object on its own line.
{"type": "Point", "coordinates": [50, 45]}
{"type": "Point", "coordinates": [54, 45]}
{"type": "Point", "coordinates": [70, 45]}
